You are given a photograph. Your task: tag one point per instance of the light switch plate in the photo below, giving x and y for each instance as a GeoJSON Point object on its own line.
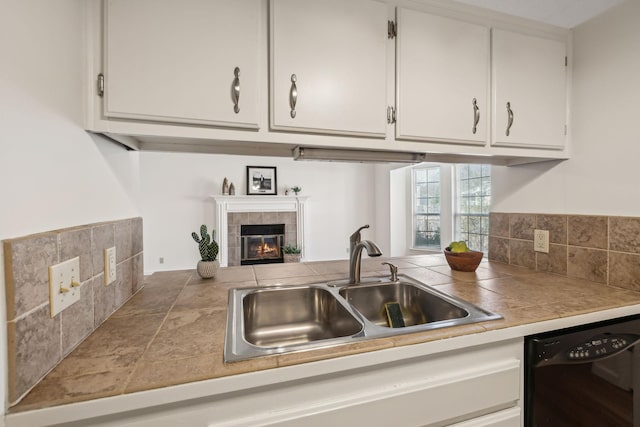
{"type": "Point", "coordinates": [109, 265]}
{"type": "Point", "coordinates": [64, 285]}
{"type": "Point", "coordinates": [541, 241]}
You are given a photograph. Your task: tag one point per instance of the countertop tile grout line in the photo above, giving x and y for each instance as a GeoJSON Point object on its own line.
{"type": "Point", "coordinates": [166, 316]}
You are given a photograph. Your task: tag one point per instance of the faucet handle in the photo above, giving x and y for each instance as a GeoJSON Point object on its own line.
{"type": "Point", "coordinates": [394, 271]}
{"type": "Point", "coordinates": [355, 237]}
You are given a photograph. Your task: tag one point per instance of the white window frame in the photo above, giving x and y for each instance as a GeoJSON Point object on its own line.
{"type": "Point", "coordinates": [446, 206]}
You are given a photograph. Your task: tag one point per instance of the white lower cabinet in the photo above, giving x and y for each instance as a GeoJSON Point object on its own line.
{"type": "Point", "coordinates": [470, 386]}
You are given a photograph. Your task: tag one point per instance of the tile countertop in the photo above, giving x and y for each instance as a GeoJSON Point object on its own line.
{"type": "Point", "coordinates": [180, 322]}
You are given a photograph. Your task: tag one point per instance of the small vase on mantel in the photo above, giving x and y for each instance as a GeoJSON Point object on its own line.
{"type": "Point", "coordinates": [225, 187]}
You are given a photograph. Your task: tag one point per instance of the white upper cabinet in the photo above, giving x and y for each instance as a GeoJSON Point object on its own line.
{"type": "Point", "coordinates": [328, 66]}
{"type": "Point", "coordinates": [529, 85]}
{"type": "Point", "coordinates": [442, 79]}
{"type": "Point", "coordinates": [189, 61]}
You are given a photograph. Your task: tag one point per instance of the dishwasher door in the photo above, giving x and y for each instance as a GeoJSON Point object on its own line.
{"type": "Point", "coordinates": [584, 376]}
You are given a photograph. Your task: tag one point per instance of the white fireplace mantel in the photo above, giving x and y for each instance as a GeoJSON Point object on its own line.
{"type": "Point", "coordinates": [232, 204]}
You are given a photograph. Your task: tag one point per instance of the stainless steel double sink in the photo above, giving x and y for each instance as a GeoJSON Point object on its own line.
{"type": "Point", "coordinates": [273, 320]}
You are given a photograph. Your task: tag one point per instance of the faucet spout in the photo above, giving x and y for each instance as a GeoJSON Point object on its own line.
{"type": "Point", "coordinates": [356, 258]}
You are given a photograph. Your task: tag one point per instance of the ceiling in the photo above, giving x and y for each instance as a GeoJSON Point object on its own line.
{"type": "Point", "coordinates": [562, 13]}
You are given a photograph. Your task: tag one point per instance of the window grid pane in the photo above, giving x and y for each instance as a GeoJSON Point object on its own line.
{"type": "Point", "coordinates": [473, 205]}
{"type": "Point", "coordinates": [426, 224]}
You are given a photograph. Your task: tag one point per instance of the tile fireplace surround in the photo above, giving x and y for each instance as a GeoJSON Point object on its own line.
{"type": "Point", "coordinates": [233, 211]}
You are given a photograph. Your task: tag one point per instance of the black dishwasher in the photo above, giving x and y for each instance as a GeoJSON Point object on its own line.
{"type": "Point", "coordinates": [584, 376]}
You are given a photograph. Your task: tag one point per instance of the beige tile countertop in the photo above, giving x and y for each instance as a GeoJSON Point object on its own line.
{"type": "Point", "coordinates": [179, 322]}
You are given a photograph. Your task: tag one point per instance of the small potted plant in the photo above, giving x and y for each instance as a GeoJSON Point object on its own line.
{"type": "Point", "coordinates": [296, 189]}
{"type": "Point", "coordinates": [291, 253]}
{"type": "Point", "coordinates": [208, 265]}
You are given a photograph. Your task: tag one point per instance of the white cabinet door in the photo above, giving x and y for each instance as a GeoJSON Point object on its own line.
{"type": "Point", "coordinates": [442, 79]}
{"type": "Point", "coordinates": [328, 66]}
{"type": "Point", "coordinates": [175, 61]}
{"type": "Point", "coordinates": [529, 84]}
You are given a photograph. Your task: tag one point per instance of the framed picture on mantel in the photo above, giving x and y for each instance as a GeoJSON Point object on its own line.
{"type": "Point", "coordinates": [262, 180]}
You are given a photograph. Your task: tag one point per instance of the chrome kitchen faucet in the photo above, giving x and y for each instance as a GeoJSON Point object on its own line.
{"type": "Point", "coordinates": [355, 251]}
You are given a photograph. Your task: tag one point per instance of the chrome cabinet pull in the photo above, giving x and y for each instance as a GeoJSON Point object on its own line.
{"type": "Point", "coordinates": [510, 113]}
{"type": "Point", "coordinates": [293, 96]}
{"type": "Point", "coordinates": [235, 92]}
{"type": "Point", "coordinates": [476, 115]}
{"type": "Point", "coordinates": [391, 115]}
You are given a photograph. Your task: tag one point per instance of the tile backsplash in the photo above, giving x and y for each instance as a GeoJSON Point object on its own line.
{"type": "Point", "coordinates": [37, 342]}
{"type": "Point", "coordinates": [603, 249]}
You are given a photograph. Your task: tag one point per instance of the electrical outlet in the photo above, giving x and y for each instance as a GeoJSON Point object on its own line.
{"type": "Point", "coordinates": [109, 265]}
{"type": "Point", "coordinates": [64, 285]}
{"type": "Point", "coordinates": [541, 241]}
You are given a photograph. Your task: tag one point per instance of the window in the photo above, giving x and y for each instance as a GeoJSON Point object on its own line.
{"type": "Point", "coordinates": [451, 203]}
{"type": "Point", "coordinates": [426, 207]}
{"type": "Point", "coordinates": [473, 203]}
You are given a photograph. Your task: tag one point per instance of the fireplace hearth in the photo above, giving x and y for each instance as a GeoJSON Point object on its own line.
{"type": "Point", "coordinates": [261, 244]}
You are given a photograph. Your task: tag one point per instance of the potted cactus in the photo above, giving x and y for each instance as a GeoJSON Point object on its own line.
{"type": "Point", "coordinates": [208, 265]}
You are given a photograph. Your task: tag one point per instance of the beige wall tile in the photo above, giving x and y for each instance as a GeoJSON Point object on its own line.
{"type": "Point", "coordinates": [102, 237]}
{"type": "Point", "coordinates": [137, 272]}
{"type": "Point", "coordinates": [137, 244]}
{"type": "Point", "coordinates": [76, 322]}
{"type": "Point", "coordinates": [588, 264]}
{"type": "Point", "coordinates": [522, 225]}
{"type": "Point", "coordinates": [557, 226]}
{"type": "Point", "coordinates": [123, 240]}
{"type": "Point", "coordinates": [624, 234]}
{"type": "Point", "coordinates": [27, 262]}
{"type": "Point", "coordinates": [624, 270]}
{"type": "Point", "coordinates": [521, 253]}
{"type": "Point", "coordinates": [124, 282]}
{"type": "Point", "coordinates": [77, 243]}
{"type": "Point", "coordinates": [588, 231]}
{"type": "Point", "coordinates": [34, 349]}
{"type": "Point", "coordinates": [499, 249]}
{"type": "Point", "coordinates": [553, 262]}
{"type": "Point", "coordinates": [104, 300]}
{"type": "Point", "coordinates": [499, 224]}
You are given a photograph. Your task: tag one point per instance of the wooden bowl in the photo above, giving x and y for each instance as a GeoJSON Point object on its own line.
{"type": "Point", "coordinates": [463, 261]}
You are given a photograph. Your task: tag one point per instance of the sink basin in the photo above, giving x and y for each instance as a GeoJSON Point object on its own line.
{"type": "Point", "coordinates": [285, 317]}
{"type": "Point", "coordinates": [263, 321]}
{"type": "Point", "coordinates": [418, 305]}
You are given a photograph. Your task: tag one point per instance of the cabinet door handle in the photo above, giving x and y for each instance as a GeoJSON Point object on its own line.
{"type": "Point", "coordinates": [476, 115]}
{"type": "Point", "coordinates": [510, 121]}
{"type": "Point", "coordinates": [235, 91]}
{"type": "Point", "coordinates": [293, 96]}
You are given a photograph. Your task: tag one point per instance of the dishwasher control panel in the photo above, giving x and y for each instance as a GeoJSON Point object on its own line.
{"type": "Point", "coordinates": [599, 347]}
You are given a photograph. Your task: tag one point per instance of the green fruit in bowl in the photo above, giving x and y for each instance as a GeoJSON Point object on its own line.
{"type": "Point", "coordinates": [458, 247]}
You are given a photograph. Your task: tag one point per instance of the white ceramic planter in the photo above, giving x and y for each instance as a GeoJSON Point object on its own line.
{"type": "Point", "coordinates": [207, 269]}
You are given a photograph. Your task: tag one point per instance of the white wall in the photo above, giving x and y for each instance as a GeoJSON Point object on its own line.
{"type": "Point", "coordinates": [52, 173]}
{"type": "Point", "coordinates": [176, 190]}
{"type": "Point", "coordinates": [602, 175]}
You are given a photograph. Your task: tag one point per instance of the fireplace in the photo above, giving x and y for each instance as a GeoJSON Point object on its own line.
{"type": "Point", "coordinates": [231, 212]}
{"type": "Point", "coordinates": [261, 244]}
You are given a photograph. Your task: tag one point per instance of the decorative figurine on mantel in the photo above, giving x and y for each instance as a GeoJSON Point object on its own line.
{"type": "Point", "coordinates": [232, 190]}
{"type": "Point", "coordinates": [225, 187]}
